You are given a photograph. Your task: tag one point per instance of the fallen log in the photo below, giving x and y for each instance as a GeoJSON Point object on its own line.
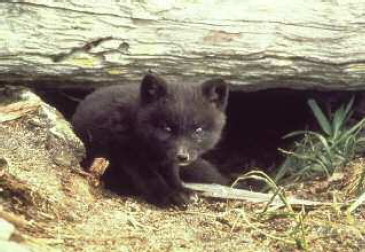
{"type": "Point", "coordinates": [255, 44]}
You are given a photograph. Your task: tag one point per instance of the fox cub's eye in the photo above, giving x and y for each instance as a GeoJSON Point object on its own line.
{"type": "Point", "coordinates": [164, 127]}
{"type": "Point", "coordinates": [199, 133]}
{"type": "Point", "coordinates": [167, 129]}
{"type": "Point", "coordinates": [199, 130]}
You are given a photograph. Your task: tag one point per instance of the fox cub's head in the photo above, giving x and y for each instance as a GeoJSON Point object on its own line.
{"type": "Point", "coordinates": [181, 121]}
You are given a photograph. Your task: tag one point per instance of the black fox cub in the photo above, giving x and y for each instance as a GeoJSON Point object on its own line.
{"type": "Point", "coordinates": [154, 134]}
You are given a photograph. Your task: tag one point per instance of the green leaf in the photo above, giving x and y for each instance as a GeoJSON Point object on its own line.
{"type": "Point", "coordinates": [354, 130]}
{"type": "Point", "coordinates": [295, 133]}
{"type": "Point", "coordinates": [349, 105]}
{"type": "Point", "coordinates": [321, 117]}
{"type": "Point", "coordinates": [338, 122]}
{"type": "Point", "coordinates": [323, 141]}
{"type": "Point", "coordinates": [341, 116]}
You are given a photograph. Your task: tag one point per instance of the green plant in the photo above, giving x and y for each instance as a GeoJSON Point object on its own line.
{"type": "Point", "coordinates": [323, 152]}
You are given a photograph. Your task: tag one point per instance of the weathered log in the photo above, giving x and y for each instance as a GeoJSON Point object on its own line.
{"type": "Point", "coordinates": [255, 43]}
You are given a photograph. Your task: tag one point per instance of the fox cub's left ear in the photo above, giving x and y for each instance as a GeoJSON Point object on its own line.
{"type": "Point", "coordinates": [216, 91]}
{"type": "Point", "coordinates": [153, 88]}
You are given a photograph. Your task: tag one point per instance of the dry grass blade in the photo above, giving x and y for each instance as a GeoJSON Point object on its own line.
{"type": "Point", "coordinates": [359, 201]}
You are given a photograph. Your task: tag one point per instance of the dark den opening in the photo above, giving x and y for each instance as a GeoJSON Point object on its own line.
{"type": "Point", "coordinates": [256, 123]}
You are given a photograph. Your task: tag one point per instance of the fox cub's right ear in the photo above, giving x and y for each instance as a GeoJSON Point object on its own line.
{"type": "Point", "coordinates": [153, 88]}
{"type": "Point", "coordinates": [216, 91]}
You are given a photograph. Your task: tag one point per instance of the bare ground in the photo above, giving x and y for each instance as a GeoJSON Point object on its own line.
{"type": "Point", "coordinates": [56, 207]}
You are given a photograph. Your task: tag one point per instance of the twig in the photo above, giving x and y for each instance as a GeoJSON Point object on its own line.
{"type": "Point", "coordinates": [17, 221]}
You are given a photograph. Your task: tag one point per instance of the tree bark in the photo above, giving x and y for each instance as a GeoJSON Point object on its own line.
{"type": "Point", "coordinates": [253, 44]}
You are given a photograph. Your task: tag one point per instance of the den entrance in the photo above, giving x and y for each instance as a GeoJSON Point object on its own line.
{"type": "Point", "coordinates": [257, 121]}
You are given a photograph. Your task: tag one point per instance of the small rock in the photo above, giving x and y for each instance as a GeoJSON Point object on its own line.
{"type": "Point", "coordinates": [6, 230]}
{"type": "Point", "coordinates": [35, 122]}
{"type": "Point", "coordinates": [3, 163]}
{"type": "Point", "coordinates": [62, 160]}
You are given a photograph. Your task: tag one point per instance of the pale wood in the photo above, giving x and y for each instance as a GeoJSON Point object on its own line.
{"type": "Point", "coordinates": [225, 192]}
{"type": "Point", "coordinates": [259, 43]}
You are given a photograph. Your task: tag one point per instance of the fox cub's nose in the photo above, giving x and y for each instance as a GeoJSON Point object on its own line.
{"type": "Point", "coordinates": [183, 157]}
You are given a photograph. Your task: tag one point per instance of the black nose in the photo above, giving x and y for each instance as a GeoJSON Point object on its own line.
{"type": "Point", "coordinates": [183, 157]}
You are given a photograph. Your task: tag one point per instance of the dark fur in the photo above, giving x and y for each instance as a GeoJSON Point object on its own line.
{"type": "Point", "coordinates": [154, 134]}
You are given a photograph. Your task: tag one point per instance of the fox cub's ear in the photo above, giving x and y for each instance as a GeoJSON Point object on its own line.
{"type": "Point", "coordinates": [153, 88]}
{"type": "Point", "coordinates": [216, 91]}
